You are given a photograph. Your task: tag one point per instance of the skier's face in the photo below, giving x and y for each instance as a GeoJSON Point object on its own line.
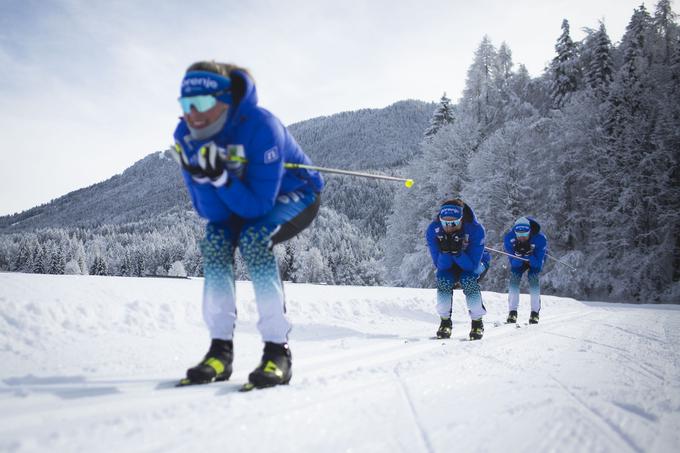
{"type": "Point", "coordinates": [199, 120]}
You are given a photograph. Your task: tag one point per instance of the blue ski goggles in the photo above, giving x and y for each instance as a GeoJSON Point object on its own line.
{"type": "Point", "coordinates": [202, 103]}
{"type": "Point", "coordinates": [522, 231]}
{"type": "Point", "coordinates": [450, 222]}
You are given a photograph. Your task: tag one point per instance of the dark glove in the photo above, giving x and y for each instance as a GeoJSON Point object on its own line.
{"type": "Point", "coordinates": [178, 154]}
{"type": "Point", "coordinates": [450, 243]}
{"type": "Point", "coordinates": [211, 159]}
{"type": "Point", "coordinates": [210, 169]}
{"type": "Point", "coordinates": [456, 244]}
{"type": "Point", "coordinates": [523, 248]}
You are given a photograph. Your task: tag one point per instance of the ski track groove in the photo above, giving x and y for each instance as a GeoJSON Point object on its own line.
{"type": "Point", "coordinates": [643, 369]}
{"type": "Point", "coordinates": [602, 420]}
{"type": "Point", "coordinates": [414, 414]}
{"type": "Point", "coordinates": [671, 399]}
{"type": "Point", "coordinates": [390, 352]}
{"type": "Point", "coordinates": [629, 363]}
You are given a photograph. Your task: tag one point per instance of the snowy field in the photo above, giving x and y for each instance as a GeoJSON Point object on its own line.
{"type": "Point", "coordinates": [89, 363]}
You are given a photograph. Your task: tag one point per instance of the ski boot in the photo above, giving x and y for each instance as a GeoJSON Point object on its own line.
{"type": "Point", "coordinates": [533, 317]}
{"type": "Point", "coordinates": [216, 365]}
{"type": "Point", "coordinates": [477, 330]}
{"type": "Point", "coordinates": [445, 328]}
{"type": "Point", "coordinates": [512, 317]}
{"type": "Point", "coordinates": [275, 367]}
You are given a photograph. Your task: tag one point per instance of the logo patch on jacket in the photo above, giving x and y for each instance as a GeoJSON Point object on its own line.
{"type": "Point", "coordinates": [271, 155]}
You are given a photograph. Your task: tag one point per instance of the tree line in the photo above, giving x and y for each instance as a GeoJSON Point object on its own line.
{"type": "Point", "coordinates": [331, 251]}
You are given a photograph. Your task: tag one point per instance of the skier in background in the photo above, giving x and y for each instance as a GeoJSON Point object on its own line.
{"type": "Point", "coordinates": [525, 240]}
{"type": "Point", "coordinates": [456, 242]}
{"type": "Point", "coordinates": [232, 155]}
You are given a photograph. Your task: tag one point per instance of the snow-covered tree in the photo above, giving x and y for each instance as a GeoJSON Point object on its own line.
{"type": "Point", "coordinates": [99, 266]}
{"type": "Point", "coordinates": [72, 268]}
{"type": "Point", "coordinates": [23, 260]}
{"type": "Point", "coordinates": [564, 68]}
{"type": "Point", "coordinates": [443, 115]}
{"type": "Point", "coordinates": [666, 31]}
{"type": "Point", "coordinates": [177, 270]}
{"type": "Point", "coordinates": [57, 260]}
{"type": "Point", "coordinates": [600, 70]}
{"type": "Point", "coordinates": [40, 260]}
{"type": "Point", "coordinates": [481, 96]}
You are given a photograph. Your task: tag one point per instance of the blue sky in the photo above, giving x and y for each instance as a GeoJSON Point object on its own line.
{"type": "Point", "coordinates": [90, 87]}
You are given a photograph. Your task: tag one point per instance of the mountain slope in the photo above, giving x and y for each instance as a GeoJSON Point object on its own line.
{"type": "Point", "coordinates": [151, 187]}
{"type": "Point", "coordinates": [366, 139]}
{"type": "Point", "coordinates": [89, 362]}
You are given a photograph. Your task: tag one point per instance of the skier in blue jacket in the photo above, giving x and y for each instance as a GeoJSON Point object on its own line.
{"type": "Point", "coordinates": [232, 155]}
{"type": "Point", "coordinates": [456, 242]}
{"type": "Point", "coordinates": [525, 240]}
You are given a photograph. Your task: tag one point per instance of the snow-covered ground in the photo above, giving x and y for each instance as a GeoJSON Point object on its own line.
{"type": "Point", "coordinates": [89, 363]}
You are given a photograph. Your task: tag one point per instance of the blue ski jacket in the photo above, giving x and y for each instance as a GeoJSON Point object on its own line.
{"type": "Point", "coordinates": [537, 239]}
{"type": "Point", "coordinates": [470, 257]}
{"type": "Point", "coordinates": [267, 145]}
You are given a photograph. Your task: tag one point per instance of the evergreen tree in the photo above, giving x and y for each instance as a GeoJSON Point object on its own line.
{"type": "Point", "coordinates": [519, 95]}
{"type": "Point", "coordinates": [99, 266]}
{"type": "Point", "coordinates": [57, 260]}
{"type": "Point", "coordinates": [72, 268]}
{"type": "Point", "coordinates": [40, 260]}
{"type": "Point", "coordinates": [666, 29]}
{"type": "Point", "coordinates": [599, 73]}
{"type": "Point", "coordinates": [443, 115]}
{"type": "Point", "coordinates": [126, 268]}
{"type": "Point", "coordinates": [481, 96]}
{"type": "Point", "coordinates": [564, 68]}
{"type": "Point", "coordinates": [177, 270]}
{"type": "Point", "coordinates": [5, 255]}
{"type": "Point", "coordinates": [23, 260]}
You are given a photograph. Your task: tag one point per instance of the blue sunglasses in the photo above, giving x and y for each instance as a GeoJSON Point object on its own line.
{"type": "Point", "coordinates": [202, 103]}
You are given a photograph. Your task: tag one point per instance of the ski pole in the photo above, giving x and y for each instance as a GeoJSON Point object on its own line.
{"type": "Point", "coordinates": [561, 262]}
{"type": "Point", "coordinates": [407, 182]}
{"type": "Point", "coordinates": [506, 254]}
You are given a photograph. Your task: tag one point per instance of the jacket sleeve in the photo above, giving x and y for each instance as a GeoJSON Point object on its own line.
{"type": "Point", "coordinates": [441, 261]}
{"type": "Point", "coordinates": [469, 259]}
{"type": "Point", "coordinates": [255, 194]}
{"type": "Point", "coordinates": [432, 244]}
{"type": "Point", "coordinates": [192, 192]}
{"type": "Point", "coordinates": [540, 249]}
